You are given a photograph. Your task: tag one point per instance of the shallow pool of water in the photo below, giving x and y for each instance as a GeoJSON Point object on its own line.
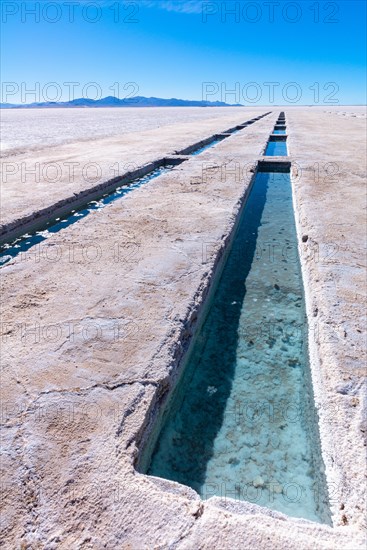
{"type": "Point", "coordinates": [240, 424]}
{"type": "Point", "coordinates": [276, 149]}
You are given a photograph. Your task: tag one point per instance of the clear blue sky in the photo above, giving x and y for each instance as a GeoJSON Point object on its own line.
{"type": "Point", "coordinates": [170, 48]}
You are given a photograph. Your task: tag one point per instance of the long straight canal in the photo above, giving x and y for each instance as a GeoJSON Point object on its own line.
{"type": "Point", "coordinates": [241, 423]}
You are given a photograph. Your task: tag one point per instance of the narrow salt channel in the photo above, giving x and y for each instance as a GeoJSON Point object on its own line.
{"type": "Point", "coordinates": [21, 245]}
{"type": "Point", "coordinates": [241, 423]}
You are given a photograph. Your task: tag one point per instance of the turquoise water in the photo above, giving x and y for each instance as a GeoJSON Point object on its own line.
{"type": "Point", "coordinates": [214, 142]}
{"type": "Point", "coordinates": [208, 146]}
{"type": "Point", "coordinates": [239, 422]}
{"type": "Point", "coordinates": [278, 131]}
{"type": "Point", "coordinates": [276, 149]}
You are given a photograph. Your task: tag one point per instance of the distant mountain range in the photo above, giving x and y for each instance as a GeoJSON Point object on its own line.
{"type": "Point", "coordinates": [110, 101]}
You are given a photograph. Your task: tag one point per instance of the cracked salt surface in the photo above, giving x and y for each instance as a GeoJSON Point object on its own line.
{"type": "Point", "coordinates": [241, 423]}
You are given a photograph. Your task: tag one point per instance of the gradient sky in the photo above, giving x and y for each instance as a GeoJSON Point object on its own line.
{"type": "Point", "coordinates": [169, 48]}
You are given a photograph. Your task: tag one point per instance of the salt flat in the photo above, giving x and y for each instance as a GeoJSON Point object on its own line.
{"type": "Point", "coordinates": [92, 341]}
{"type": "Point", "coordinates": [25, 130]}
{"type": "Point", "coordinates": [72, 156]}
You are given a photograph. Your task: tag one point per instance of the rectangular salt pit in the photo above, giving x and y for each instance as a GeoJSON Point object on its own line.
{"type": "Point", "coordinates": [276, 149]}
{"type": "Point", "coordinates": [241, 422]}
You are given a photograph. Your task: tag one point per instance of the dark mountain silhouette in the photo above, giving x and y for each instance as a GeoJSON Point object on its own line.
{"type": "Point", "coordinates": [110, 101]}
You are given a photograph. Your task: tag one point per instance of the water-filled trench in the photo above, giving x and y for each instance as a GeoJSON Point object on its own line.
{"type": "Point", "coordinates": [276, 149]}
{"type": "Point", "coordinates": [241, 423]}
